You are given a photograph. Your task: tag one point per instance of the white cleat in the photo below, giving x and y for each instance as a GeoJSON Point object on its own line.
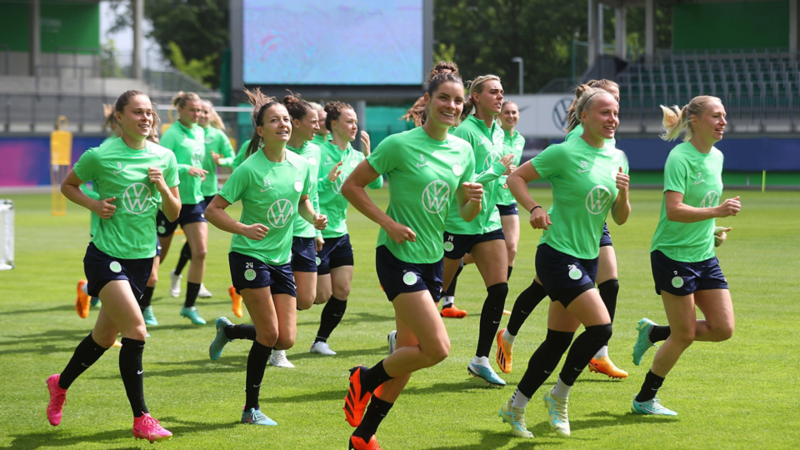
{"type": "Point", "coordinates": [203, 292]}
{"type": "Point", "coordinates": [392, 338]}
{"type": "Point", "coordinates": [175, 284]}
{"type": "Point", "coordinates": [557, 413]}
{"type": "Point", "coordinates": [322, 348]}
{"type": "Point", "coordinates": [278, 359]}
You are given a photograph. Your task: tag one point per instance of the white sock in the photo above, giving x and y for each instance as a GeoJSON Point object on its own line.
{"type": "Point", "coordinates": [278, 352]}
{"type": "Point", "coordinates": [518, 400]}
{"type": "Point", "coordinates": [508, 337]}
{"type": "Point", "coordinates": [448, 301]}
{"type": "Point", "coordinates": [561, 389]}
{"type": "Point", "coordinates": [603, 352]}
{"type": "Point", "coordinates": [84, 289]}
{"type": "Point", "coordinates": [481, 361]}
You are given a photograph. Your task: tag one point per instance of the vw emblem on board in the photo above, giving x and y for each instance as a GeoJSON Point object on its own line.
{"type": "Point", "coordinates": [560, 110]}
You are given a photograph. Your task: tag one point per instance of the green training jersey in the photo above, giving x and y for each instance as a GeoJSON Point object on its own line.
{"type": "Point", "coordinates": [584, 182]}
{"type": "Point", "coordinates": [331, 201]}
{"type": "Point", "coordinates": [215, 141]}
{"type": "Point", "coordinates": [577, 132]}
{"type": "Point", "coordinates": [240, 155]}
{"type": "Point", "coordinates": [270, 193]}
{"type": "Point", "coordinates": [487, 146]}
{"type": "Point", "coordinates": [698, 176]}
{"type": "Point", "coordinates": [423, 176]}
{"type": "Point", "coordinates": [319, 140]}
{"type": "Point", "coordinates": [311, 153]}
{"type": "Point", "coordinates": [117, 170]}
{"type": "Point", "coordinates": [188, 144]}
{"type": "Point", "coordinates": [512, 143]}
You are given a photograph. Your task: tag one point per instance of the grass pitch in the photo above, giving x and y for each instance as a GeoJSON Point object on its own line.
{"type": "Point", "coordinates": [742, 393]}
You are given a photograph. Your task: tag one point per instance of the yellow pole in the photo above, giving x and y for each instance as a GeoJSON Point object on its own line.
{"type": "Point", "coordinates": [763, 181]}
{"type": "Point", "coordinates": [60, 159]}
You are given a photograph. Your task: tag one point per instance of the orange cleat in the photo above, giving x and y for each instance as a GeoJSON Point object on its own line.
{"type": "Point", "coordinates": [82, 302]}
{"type": "Point", "coordinates": [356, 401]}
{"type": "Point", "coordinates": [357, 443]}
{"type": "Point", "coordinates": [116, 343]}
{"type": "Point", "coordinates": [236, 302]}
{"type": "Point", "coordinates": [453, 312]}
{"type": "Point", "coordinates": [506, 312]}
{"type": "Point", "coordinates": [504, 351]}
{"type": "Point", "coordinates": [605, 366]}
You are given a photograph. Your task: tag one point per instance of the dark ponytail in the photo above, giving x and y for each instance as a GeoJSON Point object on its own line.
{"type": "Point", "coordinates": [260, 103]}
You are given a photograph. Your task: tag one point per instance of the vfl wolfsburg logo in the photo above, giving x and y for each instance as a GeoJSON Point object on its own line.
{"type": "Point", "coordinates": [435, 196]}
{"type": "Point", "coordinates": [115, 267]}
{"type": "Point", "coordinates": [574, 272]}
{"type": "Point", "coordinates": [136, 198]}
{"type": "Point", "coordinates": [598, 199]}
{"type": "Point", "coordinates": [710, 200]}
{"type": "Point", "coordinates": [410, 278]}
{"type": "Point", "coordinates": [280, 213]}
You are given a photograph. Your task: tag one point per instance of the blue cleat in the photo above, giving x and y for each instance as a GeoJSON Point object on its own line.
{"type": "Point", "coordinates": [651, 407]}
{"type": "Point", "coordinates": [215, 349]}
{"type": "Point", "coordinates": [643, 342]}
{"type": "Point", "coordinates": [149, 317]}
{"type": "Point", "coordinates": [192, 314]}
{"type": "Point", "coordinates": [486, 373]}
{"type": "Point", "coordinates": [254, 416]}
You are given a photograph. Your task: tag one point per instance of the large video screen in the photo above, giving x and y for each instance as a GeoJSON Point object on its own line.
{"type": "Point", "coordinates": [332, 42]}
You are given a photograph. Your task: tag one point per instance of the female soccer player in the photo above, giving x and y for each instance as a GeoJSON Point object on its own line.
{"type": "Point", "coordinates": [335, 269]}
{"type": "Point", "coordinates": [306, 240]}
{"type": "Point", "coordinates": [322, 135]}
{"type": "Point", "coordinates": [219, 152]}
{"type": "Point", "coordinates": [588, 180]}
{"type": "Point", "coordinates": [273, 186]}
{"type": "Point", "coordinates": [483, 237]}
{"type": "Point", "coordinates": [513, 143]}
{"type": "Point", "coordinates": [132, 177]}
{"type": "Point", "coordinates": [427, 169]}
{"type": "Point", "coordinates": [685, 270]}
{"type": "Point", "coordinates": [607, 283]}
{"type": "Point", "coordinates": [187, 141]}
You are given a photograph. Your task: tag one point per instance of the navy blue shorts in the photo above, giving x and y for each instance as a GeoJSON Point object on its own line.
{"type": "Point", "coordinates": [336, 252]}
{"type": "Point", "coordinates": [682, 278]}
{"type": "Point", "coordinates": [508, 210]}
{"type": "Point", "coordinates": [399, 277]}
{"type": "Point", "coordinates": [458, 245]}
{"type": "Point", "coordinates": [304, 256]}
{"type": "Point", "coordinates": [189, 214]}
{"type": "Point", "coordinates": [605, 239]}
{"type": "Point", "coordinates": [207, 201]}
{"type": "Point", "coordinates": [252, 273]}
{"type": "Point", "coordinates": [564, 276]}
{"type": "Point", "coordinates": [100, 268]}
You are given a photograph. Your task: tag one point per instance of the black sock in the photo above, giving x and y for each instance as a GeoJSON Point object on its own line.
{"type": "Point", "coordinates": [186, 255]}
{"type": "Point", "coordinates": [608, 292]}
{"type": "Point", "coordinates": [451, 289]}
{"type": "Point", "coordinates": [241, 332]}
{"type": "Point", "coordinates": [544, 361]}
{"type": "Point", "coordinates": [331, 316]}
{"type": "Point", "coordinates": [147, 298]}
{"type": "Point", "coordinates": [524, 306]}
{"type": "Point", "coordinates": [86, 354]}
{"type": "Point", "coordinates": [510, 269]}
{"type": "Point", "coordinates": [130, 367]}
{"type": "Point", "coordinates": [583, 350]}
{"type": "Point", "coordinates": [374, 377]}
{"type": "Point", "coordinates": [491, 314]}
{"type": "Point", "coordinates": [192, 289]}
{"type": "Point", "coordinates": [659, 333]}
{"type": "Point", "coordinates": [376, 412]}
{"type": "Point", "coordinates": [256, 363]}
{"type": "Point", "coordinates": [652, 383]}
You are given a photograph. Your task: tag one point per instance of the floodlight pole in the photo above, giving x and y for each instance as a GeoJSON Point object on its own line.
{"type": "Point", "coordinates": [517, 59]}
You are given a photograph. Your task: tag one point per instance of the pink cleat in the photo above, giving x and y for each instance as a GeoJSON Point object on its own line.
{"type": "Point", "coordinates": [145, 427]}
{"type": "Point", "coordinates": [58, 396]}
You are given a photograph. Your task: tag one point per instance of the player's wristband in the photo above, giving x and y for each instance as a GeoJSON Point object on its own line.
{"type": "Point", "coordinates": [534, 208]}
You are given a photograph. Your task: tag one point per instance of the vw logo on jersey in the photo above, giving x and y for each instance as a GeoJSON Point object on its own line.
{"type": "Point", "coordinates": [136, 198]}
{"type": "Point", "coordinates": [491, 158]}
{"type": "Point", "coordinates": [280, 213]}
{"type": "Point", "coordinates": [710, 200]}
{"type": "Point", "coordinates": [337, 185]}
{"type": "Point", "coordinates": [598, 199]}
{"type": "Point", "coordinates": [197, 158]}
{"type": "Point", "coordinates": [560, 112]}
{"type": "Point", "coordinates": [435, 196]}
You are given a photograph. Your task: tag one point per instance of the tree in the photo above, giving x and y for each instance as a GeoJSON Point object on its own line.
{"type": "Point", "coordinates": [199, 29]}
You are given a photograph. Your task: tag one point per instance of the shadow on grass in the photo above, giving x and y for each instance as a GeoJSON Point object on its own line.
{"type": "Point", "coordinates": [495, 439]}
{"type": "Point", "coordinates": [36, 311]}
{"type": "Point", "coordinates": [44, 343]}
{"type": "Point", "coordinates": [356, 317]}
{"type": "Point", "coordinates": [51, 438]}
